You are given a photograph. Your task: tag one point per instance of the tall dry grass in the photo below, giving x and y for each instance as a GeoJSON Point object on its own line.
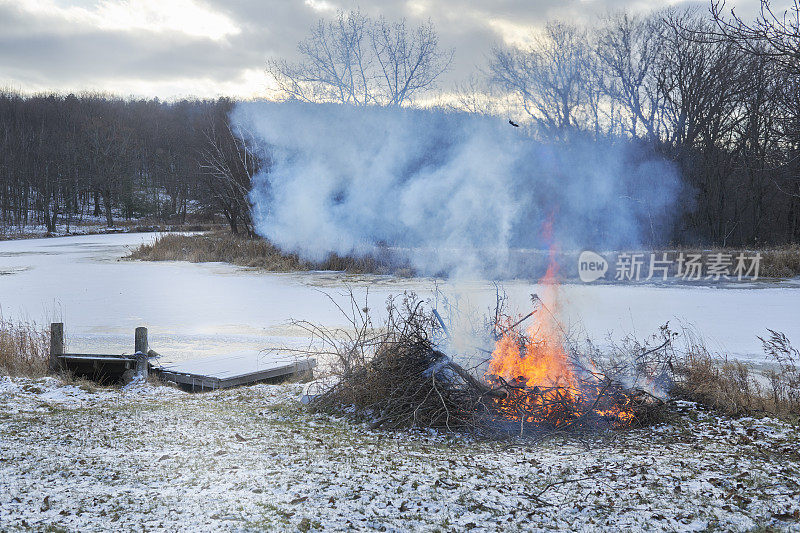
{"type": "Point", "coordinates": [218, 247]}
{"type": "Point", "coordinates": [736, 388]}
{"type": "Point", "coordinates": [24, 349]}
{"type": "Point", "coordinates": [782, 262]}
{"type": "Point", "coordinates": [250, 252]}
{"type": "Point", "coordinates": [776, 262]}
{"type": "Point", "coordinates": [222, 246]}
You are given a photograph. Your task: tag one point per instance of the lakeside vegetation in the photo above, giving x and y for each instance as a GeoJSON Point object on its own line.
{"type": "Point", "coordinates": [256, 252]}
{"type": "Point", "coordinates": [24, 348]}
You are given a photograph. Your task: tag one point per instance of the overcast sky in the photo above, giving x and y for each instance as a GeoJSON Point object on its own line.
{"type": "Point", "coordinates": [173, 48]}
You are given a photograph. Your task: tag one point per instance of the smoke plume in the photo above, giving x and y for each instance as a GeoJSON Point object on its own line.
{"type": "Point", "coordinates": [449, 192]}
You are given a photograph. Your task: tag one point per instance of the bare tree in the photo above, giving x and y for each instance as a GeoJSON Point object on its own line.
{"type": "Point", "coordinates": [699, 82]}
{"type": "Point", "coordinates": [627, 50]}
{"type": "Point", "coordinates": [229, 162]}
{"type": "Point", "coordinates": [477, 95]}
{"type": "Point", "coordinates": [66, 157]}
{"type": "Point", "coordinates": [109, 153]}
{"type": "Point", "coordinates": [775, 35]}
{"type": "Point", "coordinates": [336, 64]}
{"type": "Point", "coordinates": [359, 61]}
{"type": "Point", "coordinates": [774, 38]}
{"type": "Point", "coordinates": [410, 60]}
{"type": "Point", "coordinates": [550, 77]}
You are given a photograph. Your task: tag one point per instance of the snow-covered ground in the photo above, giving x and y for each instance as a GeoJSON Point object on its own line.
{"type": "Point", "coordinates": [77, 458]}
{"type": "Point", "coordinates": [197, 310]}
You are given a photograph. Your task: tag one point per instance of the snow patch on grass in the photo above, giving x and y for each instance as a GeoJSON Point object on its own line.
{"type": "Point", "coordinates": [151, 457]}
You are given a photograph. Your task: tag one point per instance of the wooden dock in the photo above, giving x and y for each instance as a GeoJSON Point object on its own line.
{"type": "Point", "coordinates": [230, 370]}
{"type": "Point", "coordinates": [218, 372]}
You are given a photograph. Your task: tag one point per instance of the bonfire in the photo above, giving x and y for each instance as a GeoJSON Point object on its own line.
{"type": "Point", "coordinates": [534, 380]}
{"type": "Point", "coordinates": [546, 386]}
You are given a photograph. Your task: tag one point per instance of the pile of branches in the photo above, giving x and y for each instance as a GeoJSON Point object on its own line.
{"type": "Point", "coordinates": [396, 377]}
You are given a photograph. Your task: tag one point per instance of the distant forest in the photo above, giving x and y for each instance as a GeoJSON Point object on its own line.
{"type": "Point", "coordinates": [717, 96]}
{"type": "Point", "coordinates": [65, 157]}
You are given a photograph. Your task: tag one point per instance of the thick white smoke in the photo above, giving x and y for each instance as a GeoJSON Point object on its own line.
{"type": "Point", "coordinates": [450, 192]}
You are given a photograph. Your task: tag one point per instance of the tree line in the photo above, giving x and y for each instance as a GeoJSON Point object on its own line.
{"type": "Point", "coordinates": [716, 95]}
{"type": "Point", "coordinates": [66, 158]}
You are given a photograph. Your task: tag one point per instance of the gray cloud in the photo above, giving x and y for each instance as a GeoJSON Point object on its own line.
{"type": "Point", "coordinates": [48, 51]}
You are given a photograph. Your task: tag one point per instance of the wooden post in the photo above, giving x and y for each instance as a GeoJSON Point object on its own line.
{"type": "Point", "coordinates": [140, 340]}
{"type": "Point", "coordinates": [140, 346]}
{"type": "Point", "coordinates": [56, 344]}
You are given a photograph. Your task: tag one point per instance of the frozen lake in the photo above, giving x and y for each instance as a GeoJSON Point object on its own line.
{"type": "Point", "coordinates": [197, 310]}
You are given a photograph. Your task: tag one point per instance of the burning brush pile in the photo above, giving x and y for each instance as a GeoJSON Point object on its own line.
{"type": "Point", "coordinates": [533, 381]}
{"type": "Point", "coordinates": [546, 383]}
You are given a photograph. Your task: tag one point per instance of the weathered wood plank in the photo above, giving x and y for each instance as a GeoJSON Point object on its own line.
{"type": "Point", "coordinates": [234, 369]}
{"type": "Point", "coordinates": [140, 340]}
{"type": "Point", "coordinates": [109, 355]}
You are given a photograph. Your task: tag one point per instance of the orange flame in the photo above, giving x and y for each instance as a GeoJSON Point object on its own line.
{"type": "Point", "coordinates": [536, 371]}
{"type": "Point", "coordinates": [537, 358]}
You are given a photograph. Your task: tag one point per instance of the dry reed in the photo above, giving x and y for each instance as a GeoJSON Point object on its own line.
{"type": "Point", "coordinates": [255, 253]}
{"type": "Point", "coordinates": [736, 388]}
{"type": "Point", "coordinates": [24, 348]}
